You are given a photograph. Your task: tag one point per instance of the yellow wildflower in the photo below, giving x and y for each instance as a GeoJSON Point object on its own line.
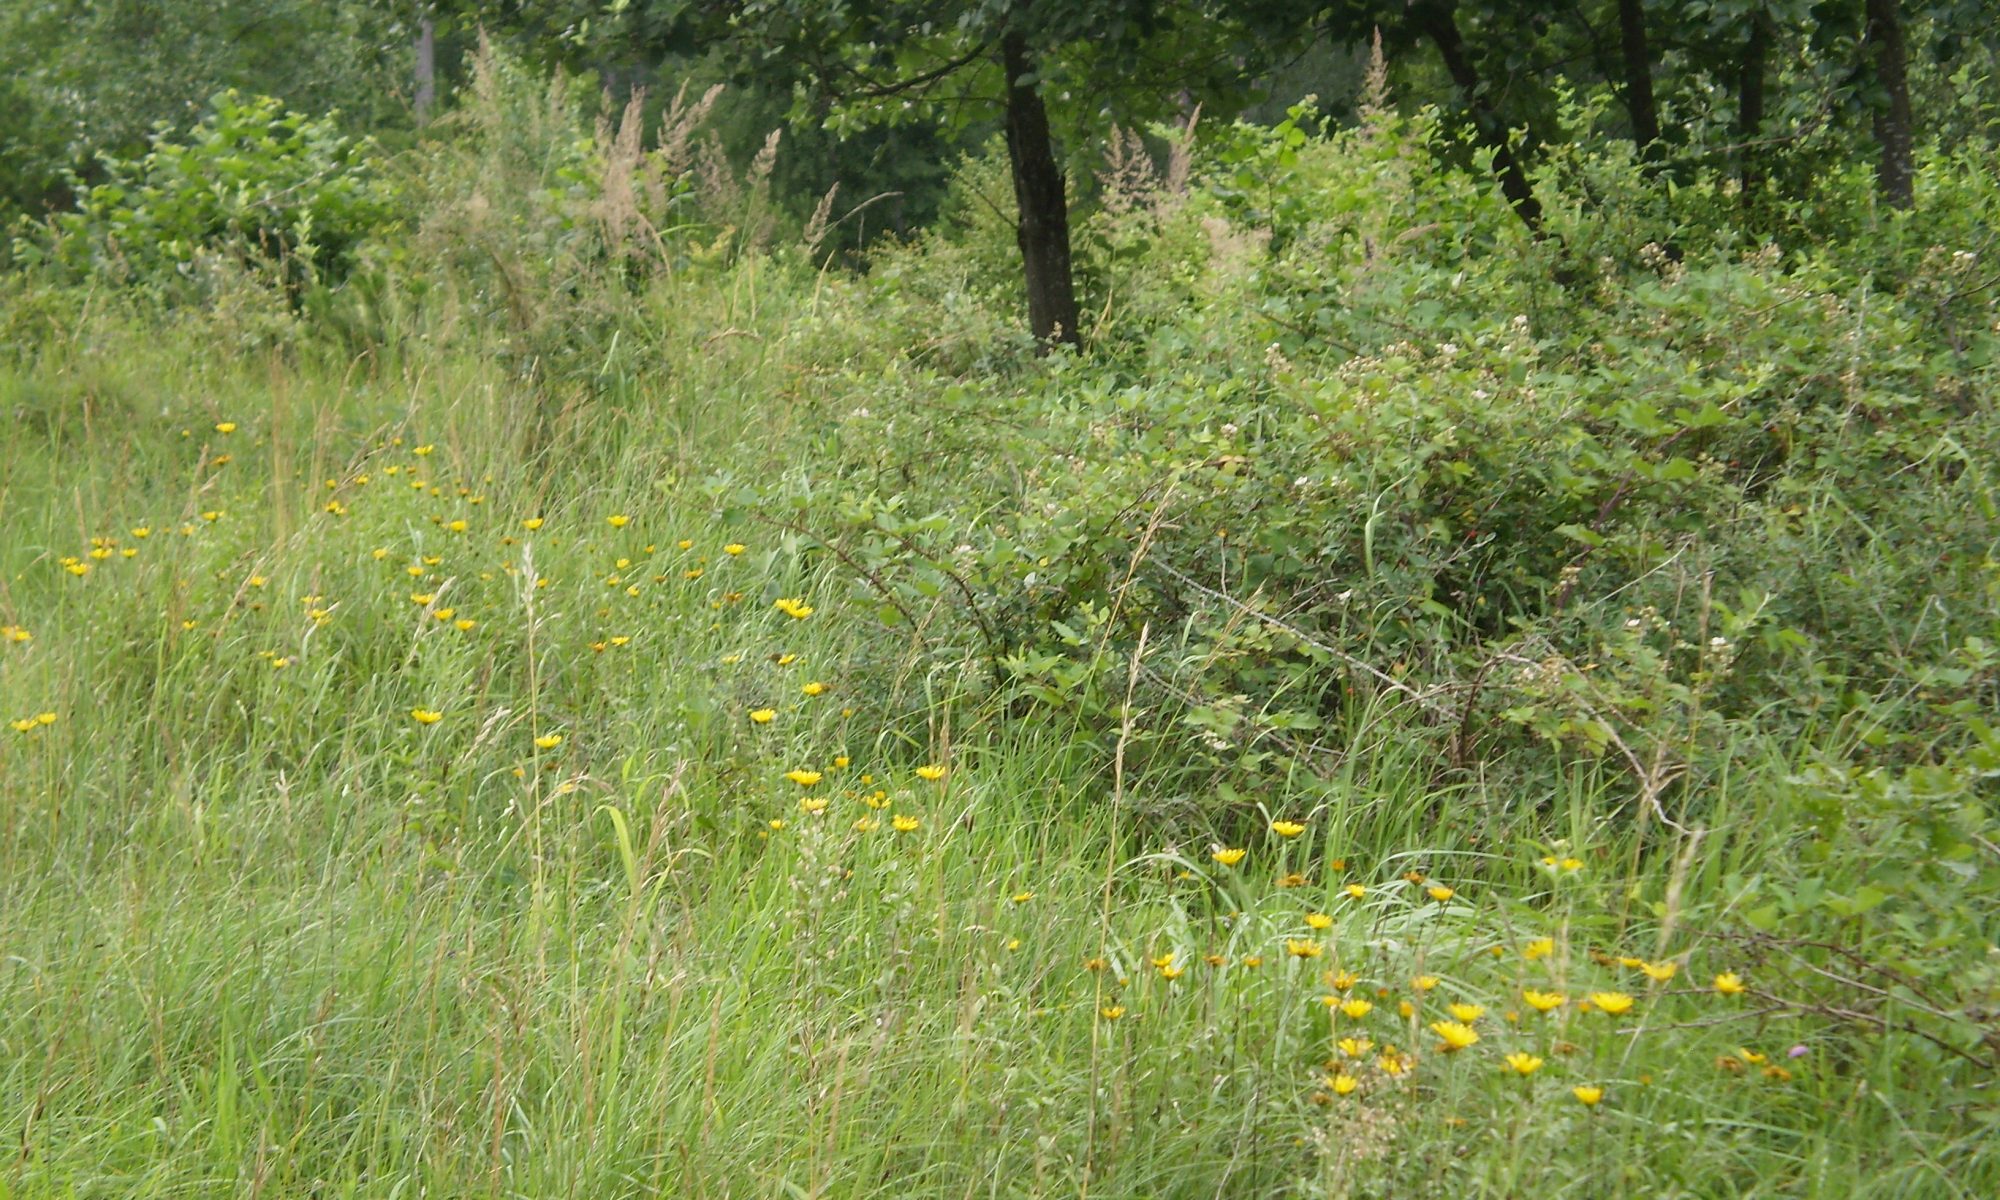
{"type": "Point", "coordinates": [1319, 921]}
{"type": "Point", "coordinates": [1538, 948]}
{"type": "Point", "coordinates": [1355, 891]}
{"type": "Point", "coordinates": [1729, 983]}
{"type": "Point", "coordinates": [618, 520]}
{"type": "Point", "coordinates": [1355, 1047]}
{"type": "Point", "coordinates": [1302, 948]}
{"type": "Point", "coordinates": [1441, 893]}
{"type": "Point", "coordinates": [1111, 1012]}
{"type": "Point", "coordinates": [1288, 829]}
{"type": "Point", "coordinates": [1467, 1013]}
{"type": "Point", "coordinates": [1424, 983]}
{"type": "Point", "coordinates": [426, 716]}
{"type": "Point", "coordinates": [225, 427]}
{"type": "Point", "coordinates": [1614, 1003]}
{"type": "Point", "coordinates": [1456, 1036]}
{"type": "Point", "coordinates": [734, 548]}
{"type": "Point", "coordinates": [1344, 1084]}
{"type": "Point", "coordinates": [548, 741]}
{"type": "Point", "coordinates": [930, 774]}
{"type": "Point", "coordinates": [763, 716]}
{"type": "Point", "coordinates": [1356, 1008]}
{"type": "Point", "coordinates": [814, 688]}
{"type": "Point", "coordinates": [1228, 857]}
{"type": "Point", "coordinates": [813, 804]}
{"type": "Point", "coordinates": [803, 778]}
{"type": "Point", "coordinates": [794, 607]}
{"type": "Point", "coordinates": [904, 823]}
{"type": "Point", "coordinates": [1543, 1001]}
{"type": "Point", "coordinates": [1586, 1095]}
{"type": "Point", "coordinates": [1523, 1063]}
{"type": "Point", "coordinates": [532, 524]}
{"type": "Point", "coordinates": [1659, 972]}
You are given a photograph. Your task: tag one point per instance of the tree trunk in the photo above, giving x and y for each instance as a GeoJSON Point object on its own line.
{"type": "Point", "coordinates": [426, 67]}
{"type": "Point", "coordinates": [1439, 22]}
{"type": "Point", "coordinates": [1750, 104]}
{"type": "Point", "coordinates": [1042, 229]}
{"type": "Point", "coordinates": [1639, 101]}
{"type": "Point", "coordinates": [1896, 174]}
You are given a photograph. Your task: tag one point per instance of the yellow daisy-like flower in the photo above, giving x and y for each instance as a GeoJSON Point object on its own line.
{"type": "Point", "coordinates": [1538, 948]}
{"type": "Point", "coordinates": [1659, 972]}
{"type": "Point", "coordinates": [1343, 1084]}
{"type": "Point", "coordinates": [1729, 983]}
{"type": "Point", "coordinates": [1228, 857]}
{"type": "Point", "coordinates": [786, 660]}
{"type": "Point", "coordinates": [1522, 1063]}
{"type": "Point", "coordinates": [777, 823]}
{"type": "Point", "coordinates": [840, 762]}
{"type": "Point", "coordinates": [763, 716]}
{"type": "Point", "coordinates": [1303, 948]}
{"type": "Point", "coordinates": [1424, 983]}
{"type": "Point", "coordinates": [618, 520]}
{"type": "Point", "coordinates": [1441, 893]}
{"type": "Point", "coordinates": [867, 825]}
{"type": "Point", "coordinates": [1456, 1036]}
{"type": "Point", "coordinates": [23, 725]}
{"type": "Point", "coordinates": [794, 607]}
{"type": "Point", "coordinates": [1022, 897]}
{"type": "Point", "coordinates": [1172, 973]}
{"type": "Point", "coordinates": [813, 804]}
{"type": "Point", "coordinates": [225, 427]}
{"type": "Point", "coordinates": [1355, 1047]}
{"type": "Point", "coordinates": [1544, 1001]}
{"type": "Point", "coordinates": [931, 773]}
{"type": "Point", "coordinates": [548, 741]}
{"type": "Point", "coordinates": [426, 716]}
{"type": "Point", "coordinates": [1356, 1008]}
{"type": "Point", "coordinates": [1467, 1013]}
{"type": "Point", "coordinates": [1355, 891]}
{"type": "Point", "coordinates": [803, 778]}
{"type": "Point", "coordinates": [1291, 880]}
{"type": "Point", "coordinates": [1111, 1012]}
{"type": "Point", "coordinates": [814, 688]}
{"type": "Point", "coordinates": [904, 823]}
{"type": "Point", "coordinates": [1394, 1065]}
{"type": "Point", "coordinates": [1615, 1003]}
{"type": "Point", "coordinates": [465, 624]}
{"type": "Point", "coordinates": [459, 526]}
{"type": "Point", "coordinates": [424, 451]}
{"type": "Point", "coordinates": [1586, 1095]}
{"type": "Point", "coordinates": [1287, 829]}
{"type": "Point", "coordinates": [532, 524]}
{"type": "Point", "coordinates": [734, 548]}
{"type": "Point", "coordinates": [1319, 921]}
{"type": "Point", "coordinates": [1253, 961]}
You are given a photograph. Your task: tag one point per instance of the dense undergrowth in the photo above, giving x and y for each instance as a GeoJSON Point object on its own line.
{"type": "Point", "coordinates": [581, 696]}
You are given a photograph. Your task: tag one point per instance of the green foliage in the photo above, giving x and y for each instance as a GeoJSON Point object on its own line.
{"type": "Point", "coordinates": [251, 185]}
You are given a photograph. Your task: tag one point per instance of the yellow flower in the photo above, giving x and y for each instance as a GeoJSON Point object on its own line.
{"type": "Point", "coordinates": [465, 624]}
{"type": "Point", "coordinates": [1395, 1065]}
{"type": "Point", "coordinates": [763, 716]}
{"type": "Point", "coordinates": [777, 823]}
{"type": "Point", "coordinates": [1586, 1095]}
{"type": "Point", "coordinates": [1467, 1013]}
{"type": "Point", "coordinates": [1659, 972]}
{"type": "Point", "coordinates": [1111, 1012]}
{"type": "Point", "coordinates": [734, 548]}
{"type": "Point", "coordinates": [904, 823]}
{"type": "Point", "coordinates": [1217, 960]}
{"type": "Point", "coordinates": [685, 544]}
{"type": "Point", "coordinates": [426, 716]}
{"type": "Point", "coordinates": [1729, 983]}
{"type": "Point", "coordinates": [1750, 1056]}
{"type": "Point", "coordinates": [877, 799]}
{"type": "Point", "coordinates": [1022, 897]}
{"type": "Point", "coordinates": [786, 660]}
{"type": "Point", "coordinates": [1289, 829]}
{"type": "Point", "coordinates": [1355, 1047]}
{"type": "Point", "coordinates": [532, 524]}
{"type": "Point", "coordinates": [1615, 1003]}
{"type": "Point", "coordinates": [548, 741]}
{"type": "Point", "coordinates": [1441, 894]}
{"type": "Point", "coordinates": [1291, 880]}
{"type": "Point", "coordinates": [813, 804]}
{"type": "Point", "coordinates": [618, 520]}
{"type": "Point", "coordinates": [225, 427]}
{"type": "Point", "coordinates": [1302, 948]}
{"type": "Point", "coordinates": [1356, 1008]}
{"type": "Point", "coordinates": [424, 451]}
{"type": "Point", "coordinates": [1543, 1001]}
{"type": "Point", "coordinates": [840, 762]}
{"type": "Point", "coordinates": [1523, 1063]}
{"type": "Point", "coordinates": [867, 825]}
{"type": "Point", "coordinates": [814, 688]}
{"type": "Point", "coordinates": [444, 614]}
{"type": "Point", "coordinates": [422, 597]}
{"type": "Point", "coordinates": [1318, 921]}
{"type": "Point", "coordinates": [803, 778]}
{"type": "Point", "coordinates": [1355, 891]}
{"type": "Point", "coordinates": [1344, 1084]}
{"type": "Point", "coordinates": [1456, 1036]}
{"type": "Point", "coordinates": [1630, 963]}
{"type": "Point", "coordinates": [1228, 857]}
{"type": "Point", "coordinates": [930, 774]}
{"type": "Point", "coordinates": [1172, 973]}
{"type": "Point", "coordinates": [142, 532]}
{"type": "Point", "coordinates": [1538, 948]}
{"type": "Point", "coordinates": [24, 725]}
{"type": "Point", "coordinates": [794, 607]}
{"type": "Point", "coordinates": [1424, 983]}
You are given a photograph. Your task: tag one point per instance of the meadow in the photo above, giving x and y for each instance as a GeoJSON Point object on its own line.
{"type": "Point", "coordinates": [558, 719]}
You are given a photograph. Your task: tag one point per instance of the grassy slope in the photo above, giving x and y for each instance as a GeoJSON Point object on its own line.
{"type": "Point", "coordinates": [265, 934]}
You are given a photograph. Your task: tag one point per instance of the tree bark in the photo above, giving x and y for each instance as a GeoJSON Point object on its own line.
{"type": "Point", "coordinates": [426, 94]}
{"type": "Point", "coordinates": [1042, 229]}
{"type": "Point", "coordinates": [1896, 173]}
{"type": "Point", "coordinates": [1750, 104]}
{"type": "Point", "coordinates": [1639, 102]}
{"type": "Point", "coordinates": [1438, 20]}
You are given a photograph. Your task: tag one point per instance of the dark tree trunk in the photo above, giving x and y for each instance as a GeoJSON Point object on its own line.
{"type": "Point", "coordinates": [1896, 174]}
{"type": "Point", "coordinates": [1439, 22]}
{"type": "Point", "coordinates": [1043, 226]}
{"type": "Point", "coordinates": [1750, 104]}
{"type": "Point", "coordinates": [1638, 76]}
